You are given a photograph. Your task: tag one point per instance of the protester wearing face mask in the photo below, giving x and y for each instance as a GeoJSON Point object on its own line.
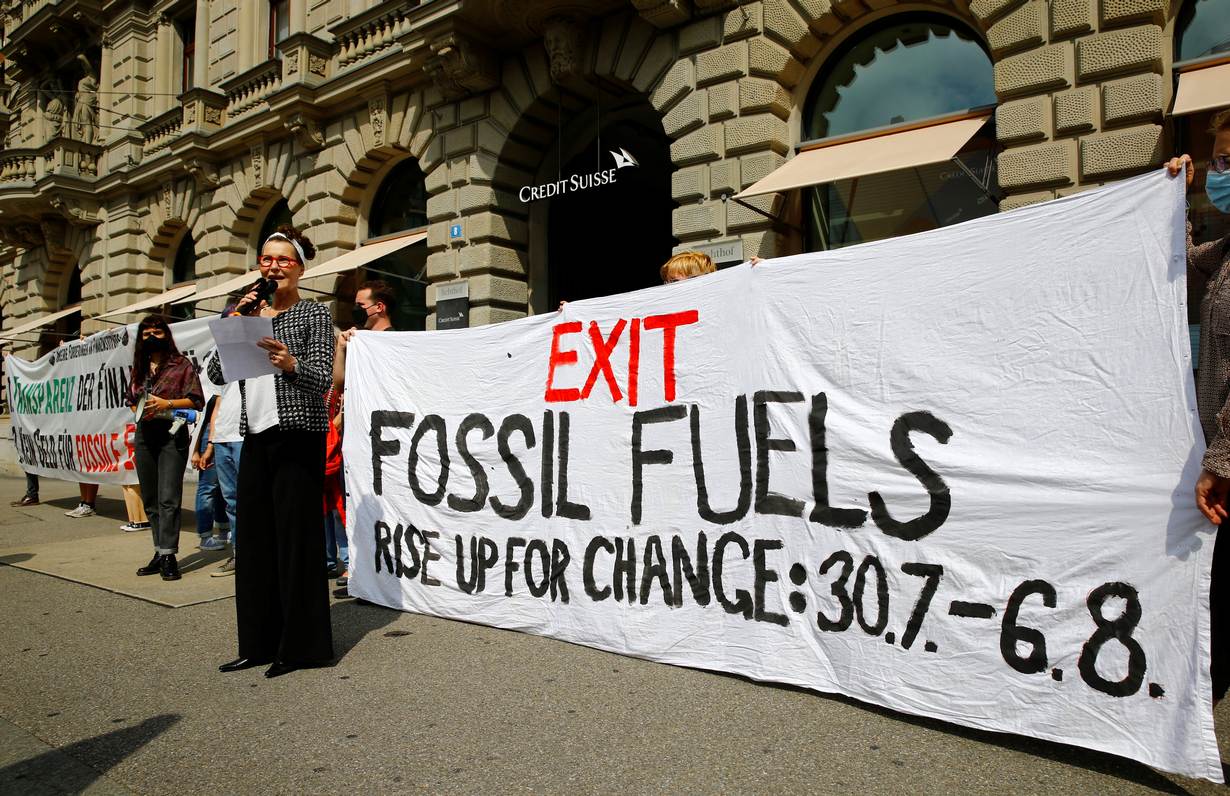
{"type": "Point", "coordinates": [1212, 260]}
{"type": "Point", "coordinates": [373, 304]}
{"type": "Point", "coordinates": [163, 380]}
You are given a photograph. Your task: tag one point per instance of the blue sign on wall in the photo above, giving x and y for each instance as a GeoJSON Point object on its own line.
{"type": "Point", "coordinates": [454, 231]}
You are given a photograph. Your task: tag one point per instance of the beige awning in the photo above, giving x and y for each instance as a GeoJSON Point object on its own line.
{"type": "Point", "coordinates": [181, 293]}
{"type": "Point", "coordinates": [1202, 89]}
{"type": "Point", "coordinates": [46, 320]}
{"type": "Point", "coordinates": [363, 255]}
{"type": "Point", "coordinates": [223, 288]}
{"type": "Point", "coordinates": [889, 151]}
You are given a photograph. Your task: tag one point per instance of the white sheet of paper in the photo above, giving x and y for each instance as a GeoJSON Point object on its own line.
{"type": "Point", "coordinates": [236, 338]}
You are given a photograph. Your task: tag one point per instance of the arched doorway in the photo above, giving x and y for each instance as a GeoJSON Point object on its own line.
{"type": "Point", "coordinates": [183, 269]}
{"type": "Point", "coordinates": [68, 328]}
{"type": "Point", "coordinates": [398, 205]}
{"type": "Point", "coordinates": [277, 216]}
{"type": "Point", "coordinates": [611, 237]}
{"type": "Point", "coordinates": [904, 69]}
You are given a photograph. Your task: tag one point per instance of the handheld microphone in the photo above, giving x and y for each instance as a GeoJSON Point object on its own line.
{"type": "Point", "coordinates": [265, 288]}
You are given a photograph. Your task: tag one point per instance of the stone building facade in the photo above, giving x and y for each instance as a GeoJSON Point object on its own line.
{"type": "Point", "coordinates": [205, 117]}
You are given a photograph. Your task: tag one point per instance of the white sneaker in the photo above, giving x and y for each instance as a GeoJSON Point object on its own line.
{"type": "Point", "coordinates": [82, 510]}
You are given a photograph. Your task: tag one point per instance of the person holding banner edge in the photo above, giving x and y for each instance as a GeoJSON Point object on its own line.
{"type": "Point", "coordinates": [281, 602]}
{"type": "Point", "coordinates": [1212, 259]}
{"type": "Point", "coordinates": [163, 380]}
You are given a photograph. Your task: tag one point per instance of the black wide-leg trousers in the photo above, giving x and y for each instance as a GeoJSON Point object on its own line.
{"type": "Point", "coordinates": [281, 594]}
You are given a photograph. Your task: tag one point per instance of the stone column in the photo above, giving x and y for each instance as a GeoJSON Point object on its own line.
{"type": "Point", "coordinates": [200, 62]}
{"type": "Point", "coordinates": [165, 65]}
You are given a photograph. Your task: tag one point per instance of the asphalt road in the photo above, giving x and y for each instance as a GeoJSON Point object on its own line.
{"type": "Point", "coordinates": [101, 693]}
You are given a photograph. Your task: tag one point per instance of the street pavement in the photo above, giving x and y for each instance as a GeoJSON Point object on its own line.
{"type": "Point", "coordinates": [104, 693]}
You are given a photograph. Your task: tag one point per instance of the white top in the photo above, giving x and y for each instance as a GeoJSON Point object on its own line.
{"type": "Point", "coordinates": [226, 414]}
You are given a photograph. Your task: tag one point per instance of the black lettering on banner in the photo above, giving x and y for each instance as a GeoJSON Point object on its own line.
{"type": "Point", "coordinates": [559, 565]}
{"type": "Point", "coordinates": [698, 578]}
{"type": "Point", "coordinates": [838, 589]}
{"type": "Point", "coordinates": [591, 552]}
{"type": "Point", "coordinates": [481, 486]}
{"type": "Point", "coordinates": [408, 571]}
{"type": "Point", "coordinates": [860, 582]}
{"type": "Point", "coordinates": [429, 555]}
{"type": "Point", "coordinates": [641, 457]}
{"type": "Point", "coordinates": [742, 604]}
{"type": "Point", "coordinates": [823, 513]}
{"type": "Point", "coordinates": [624, 573]}
{"type": "Point", "coordinates": [547, 481]}
{"type": "Point", "coordinates": [429, 423]}
{"type": "Point", "coordinates": [564, 507]}
{"type": "Point", "coordinates": [771, 502]}
{"type": "Point", "coordinates": [1119, 629]}
{"type": "Point", "coordinates": [931, 574]}
{"type": "Point", "coordinates": [1011, 633]}
{"type": "Point", "coordinates": [467, 585]}
{"type": "Point", "coordinates": [537, 547]}
{"type": "Point", "coordinates": [385, 447]}
{"type": "Point", "coordinates": [764, 576]}
{"type": "Point", "coordinates": [903, 450]}
{"type": "Point", "coordinates": [488, 552]}
{"type": "Point", "coordinates": [382, 545]}
{"type": "Point", "coordinates": [744, 446]}
{"type": "Point", "coordinates": [519, 509]}
{"type": "Point", "coordinates": [510, 562]}
{"type": "Point", "coordinates": [654, 567]}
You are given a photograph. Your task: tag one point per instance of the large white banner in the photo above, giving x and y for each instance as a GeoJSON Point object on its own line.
{"type": "Point", "coordinates": [950, 474]}
{"type": "Point", "coordinates": [67, 408]}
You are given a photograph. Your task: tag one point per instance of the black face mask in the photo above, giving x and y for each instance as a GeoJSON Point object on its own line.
{"type": "Point", "coordinates": [156, 344]}
{"type": "Point", "coordinates": [360, 316]}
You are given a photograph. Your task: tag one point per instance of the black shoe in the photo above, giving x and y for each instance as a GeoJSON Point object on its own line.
{"type": "Point", "coordinates": [153, 567]}
{"type": "Point", "coordinates": [170, 567]}
{"type": "Point", "coordinates": [239, 664]}
{"type": "Point", "coordinates": [279, 668]}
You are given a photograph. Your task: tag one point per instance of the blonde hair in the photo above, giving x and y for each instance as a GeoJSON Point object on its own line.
{"type": "Point", "coordinates": [686, 265]}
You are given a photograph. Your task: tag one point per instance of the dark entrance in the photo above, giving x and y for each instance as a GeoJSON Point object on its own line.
{"type": "Point", "coordinates": [611, 238]}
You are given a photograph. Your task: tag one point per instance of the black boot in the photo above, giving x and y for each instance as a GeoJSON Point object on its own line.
{"type": "Point", "coordinates": [170, 568]}
{"type": "Point", "coordinates": [153, 567]}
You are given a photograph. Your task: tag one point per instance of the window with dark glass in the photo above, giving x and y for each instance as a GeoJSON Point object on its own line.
{"type": "Point", "coordinates": [279, 24]}
{"type": "Point", "coordinates": [183, 269]}
{"type": "Point", "coordinates": [400, 205]}
{"type": "Point", "coordinates": [278, 216]}
{"type": "Point", "coordinates": [187, 37]}
{"type": "Point", "coordinates": [909, 69]}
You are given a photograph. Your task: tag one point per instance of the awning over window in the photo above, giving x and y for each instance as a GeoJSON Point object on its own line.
{"type": "Point", "coordinates": [222, 288]}
{"type": "Point", "coordinates": [888, 151]}
{"type": "Point", "coordinates": [1202, 89]}
{"type": "Point", "coordinates": [46, 320]}
{"type": "Point", "coordinates": [181, 293]}
{"type": "Point", "coordinates": [363, 255]}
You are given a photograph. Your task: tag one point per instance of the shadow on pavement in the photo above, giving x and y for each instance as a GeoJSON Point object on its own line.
{"type": "Point", "coordinates": [353, 620]}
{"type": "Point", "coordinates": [50, 772]}
{"type": "Point", "coordinates": [202, 558]}
{"type": "Point", "coordinates": [16, 558]}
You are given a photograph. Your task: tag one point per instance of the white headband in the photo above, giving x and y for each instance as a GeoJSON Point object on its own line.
{"type": "Point", "coordinates": [292, 242]}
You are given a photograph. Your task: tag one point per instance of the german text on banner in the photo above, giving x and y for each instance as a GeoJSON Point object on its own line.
{"type": "Point", "coordinates": [950, 474]}
{"type": "Point", "coordinates": [67, 407]}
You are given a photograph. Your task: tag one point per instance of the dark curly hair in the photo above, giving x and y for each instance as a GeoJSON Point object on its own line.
{"type": "Point", "coordinates": [309, 251]}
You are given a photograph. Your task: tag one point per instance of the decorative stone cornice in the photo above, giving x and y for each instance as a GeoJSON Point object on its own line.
{"type": "Point", "coordinates": [203, 173]}
{"type": "Point", "coordinates": [307, 131]}
{"type": "Point", "coordinates": [76, 210]}
{"type": "Point", "coordinates": [460, 66]}
{"type": "Point", "coordinates": [663, 13]}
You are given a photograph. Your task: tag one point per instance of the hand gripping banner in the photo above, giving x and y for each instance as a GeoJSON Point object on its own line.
{"type": "Point", "coordinates": [950, 474]}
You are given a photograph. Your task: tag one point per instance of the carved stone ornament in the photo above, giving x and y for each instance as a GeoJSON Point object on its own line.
{"type": "Point", "coordinates": [663, 13]}
{"type": "Point", "coordinates": [203, 173]}
{"type": "Point", "coordinates": [291, 63]}
{"type": "Point", "coordinates": [258, 164]}
{"type": "Point", "coordinates": [190, 114]}
{"type": "Point", "coordinates": [317, 64]}
{"type": "Point", "coordinates": [22, 236]}
{"type": "Point", "coordinates": [376, 111]}
{"type": "Point", "coordinates": [213, 114]}
{"type": "Point", "coordinates": [460, 67]}
{"type": "Point", "coordinates": [75, 211]}
{"type": "Point", "coordinates": [54, 231]}
{"type": "Point", "coordinates": [307, 131]}
{"type": "Point", "coordinates": [168, 200]}
{"type": "Point", "coordinates": [563, 38]}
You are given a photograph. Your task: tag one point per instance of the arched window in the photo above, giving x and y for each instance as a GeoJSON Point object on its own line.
{"type": "Point", "coordinates": [907, 69]}
{"type": "Point", "coordinates": [1202, 29]}
{"type": "Point", "coordinates": [278, 216]}
{"type": "Point", "coordinates": [183, 269]}
{"type": "Point", "coordinates": [68, 328]}
{"type": "Point", "coordinates": [399, 205]}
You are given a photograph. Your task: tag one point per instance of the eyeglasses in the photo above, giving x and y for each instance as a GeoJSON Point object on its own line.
{"type": "Point", "coordinates": [267, 261]}
{"type": "Point", "coordinates": [1220, 164]}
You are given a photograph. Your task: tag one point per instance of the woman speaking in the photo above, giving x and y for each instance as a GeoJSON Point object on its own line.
{"type": "Point", "coordinates": [281, 602]}
{"type": "Point", "coordinates": [163, 380]}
